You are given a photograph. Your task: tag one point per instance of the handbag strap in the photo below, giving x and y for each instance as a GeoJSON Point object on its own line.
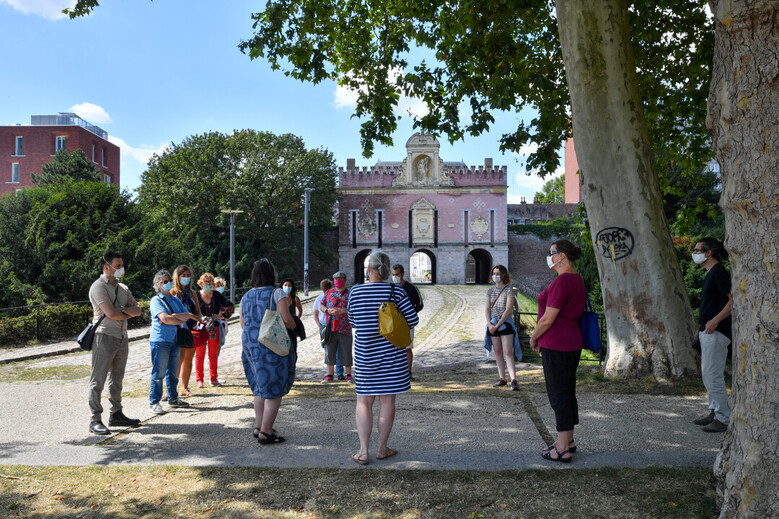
{"type": "Point", "coordinates": [588, 307]}
{"type": "Point", "coordinates": [116, 296]}
{"type": "Point", "coordinates": [496, 299]}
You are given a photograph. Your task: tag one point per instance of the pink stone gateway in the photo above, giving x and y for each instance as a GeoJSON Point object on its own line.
{"type": "Point", "coordinates": [444, 222]}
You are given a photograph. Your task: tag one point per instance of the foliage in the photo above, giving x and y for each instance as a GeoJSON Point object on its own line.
{"type": "Point", "coordinates": [264, 175]}
{"type": "Point", "coordinates": [65, 167]}
{"type": "Point", "coordinates": [691, 200]}
{"type": "Point", "coordinates": [553, 191]}
{"type": "Point", "coordinates": [53, 236]}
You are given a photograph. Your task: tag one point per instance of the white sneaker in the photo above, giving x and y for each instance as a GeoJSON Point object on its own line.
{"type": "Point", "coordinates": [156, 408]}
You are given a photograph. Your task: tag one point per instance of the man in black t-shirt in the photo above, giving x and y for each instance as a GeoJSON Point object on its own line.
{"type": "Point", "coordinates": [714, 331]}
{"type": "Point", "coordinates": [416, 300]}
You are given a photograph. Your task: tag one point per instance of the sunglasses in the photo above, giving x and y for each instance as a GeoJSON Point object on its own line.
{"type": "Point", "coordinates": [553, 252]}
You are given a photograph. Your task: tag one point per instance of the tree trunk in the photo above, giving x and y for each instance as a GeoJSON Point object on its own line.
{"type": "Point", "coordinates": [744, 123]}
{"type": "Point", "coordinates": [650, 321]}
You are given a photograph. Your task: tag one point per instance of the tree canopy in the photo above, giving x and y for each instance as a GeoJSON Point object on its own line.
{"type": "Point", "coordinates": [67, 166]}
{"type": "Point", "coordinates": [553, 191]}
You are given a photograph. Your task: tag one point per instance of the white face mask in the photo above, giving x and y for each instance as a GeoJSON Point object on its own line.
{"type": "Point", "coordinates": [496, 279]}
{"type": "Point", "coordinates": [118, 273]}
{"type": "Point", "coordinates": [699, 258]}
{"type": "Point", "coordinates": [550, 262]}
{"type": "Point", "coordinates": [396, 279]}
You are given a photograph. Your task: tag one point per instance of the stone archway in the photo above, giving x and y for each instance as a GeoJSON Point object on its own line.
{"type": "Point", "coordinates": [359, 265]}
{"type": "Point", "coordinates": [422, 267]}
{"type": "Point", "coordinates": [478, 265]}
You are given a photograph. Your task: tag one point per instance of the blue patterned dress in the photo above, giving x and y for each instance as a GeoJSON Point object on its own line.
{"type": "Point", "coordinates": [268, 374]}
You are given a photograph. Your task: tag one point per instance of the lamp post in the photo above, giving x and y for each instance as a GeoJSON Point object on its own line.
{"type": "Point", "coordinates": [307, 197]}
{"type": "Point", "coordinates": [232, 213]}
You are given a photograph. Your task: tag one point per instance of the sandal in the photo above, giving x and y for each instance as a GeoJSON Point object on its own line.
{"type": "Point", "coordinates": [571, 447]}
{"type": "Point", "coordinates": [389, 453]}
{"type": "Point", "coordinates": [272, 438]}
{"type": "Point", "coordinates": [185, 392]}
{"type": "Point", "coordinates": [547, 455]}
{"type": "Point", "coordinates": [362, 459]}
{"type": "Point", "coordinates": [257, 431]}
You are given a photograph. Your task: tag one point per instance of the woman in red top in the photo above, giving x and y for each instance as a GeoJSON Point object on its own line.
{"type": "Point", "coordinates": [558, 337]}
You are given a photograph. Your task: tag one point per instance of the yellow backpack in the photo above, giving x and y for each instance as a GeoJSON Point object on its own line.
{"type": "Point", "coordinates": [392, 324]}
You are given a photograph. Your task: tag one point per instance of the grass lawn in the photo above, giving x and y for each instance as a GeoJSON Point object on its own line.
{"type": "Point", "coordinates": [221, 493]}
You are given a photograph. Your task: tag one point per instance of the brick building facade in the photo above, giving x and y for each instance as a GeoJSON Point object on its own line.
{"type": "Point", "coordinates": [25, 149]}
{"type": "Point", "coordinates": [453, 214]}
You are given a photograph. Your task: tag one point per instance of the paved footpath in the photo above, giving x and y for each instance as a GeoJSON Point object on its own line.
{"type": "Point", "coordinates": [45, 422]}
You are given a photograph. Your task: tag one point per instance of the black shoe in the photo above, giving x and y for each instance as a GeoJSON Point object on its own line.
{"type": "Point", "coordinates": [705, 420]}
{"type": "Point", "coordinates": [499, 383]}
{"type": "Point", "coordinates": [99, 428]}
{"type": "Point", "coordinates": [120, 420]}
{"type": "Point", "coordinates": [514, 385]}
{"type": "Point", "coordinates": [715, 426]}
{"type": "Point", "coordinates": [341, 377]}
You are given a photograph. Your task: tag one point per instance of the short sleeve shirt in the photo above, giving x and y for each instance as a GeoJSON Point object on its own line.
{"type": "Point", "coordinates": [317, 303]}
{"type": "Point", "coordinates": [102, 291]}
{"type": "Point", "coordinates": [337, 299]}
{"type": "Point", "coordinates": [566, 293]}
{"type": "Point", "coordinates": [503, 298]}
{"type": "Point", "coordinates": [161, 332]}
{"type": "Point", "coordinates": [714, 297]}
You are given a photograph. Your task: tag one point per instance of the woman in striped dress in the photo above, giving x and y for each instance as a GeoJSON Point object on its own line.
{"type": "Point", "coordinates": [380, 368]}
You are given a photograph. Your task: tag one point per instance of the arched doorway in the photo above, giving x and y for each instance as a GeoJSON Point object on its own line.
{"type": "Point", "coordinates": [360, 260]}
{"type": "Point", "coordinates": [478, 264]}
{"type": "Point", "coordinates": [421, 267]}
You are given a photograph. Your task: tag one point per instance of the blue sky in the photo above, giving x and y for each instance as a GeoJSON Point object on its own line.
{"type": "Point", "coordinates": [152, 73]}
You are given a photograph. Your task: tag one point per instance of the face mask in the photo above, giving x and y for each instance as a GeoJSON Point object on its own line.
{"type": "Point", "coordinates": [118, 273]}
{"type": "Point", "coordinates": [339, 283]}
{"type": "Point", "coordinates": [287, 289]}
{"type": "Point", "coordinates": [208, 288]}
{"type": "Point", "coordinates": [221, 290]}
{"type": "Point", "coordinates": [167, 286]}
{"type": "Point", "coordinates": [496, 279]}
{"type": "Point", "coordinates": [396, 279]}
{"type": "Point", "coordinates": [184, 282]}
{"type": "Point", "coordinates": [699, 258]}
{"type": "Point", "coordinates": [550, 262]}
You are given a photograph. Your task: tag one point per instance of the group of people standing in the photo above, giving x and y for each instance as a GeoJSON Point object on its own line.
{"type": "Point", "coordinates": [376, 367]}
{"type": "Point", "coordinates": [186, 325]}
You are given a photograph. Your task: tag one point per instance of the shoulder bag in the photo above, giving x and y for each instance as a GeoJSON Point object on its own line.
{"type": "Point", "coordinates": [87, 335]}
{"type": "Point", "coordinates": [273, 334]}
{"type": "Point", "coordinates": [392, 324]}
{"type": "Point", "coordinates": [184, 337]}
{"type": "Point", "coordinates": [590, 329]}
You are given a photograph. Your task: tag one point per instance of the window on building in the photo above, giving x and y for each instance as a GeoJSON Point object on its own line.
{"type": "Point", "coordinates": [19, 148]}
{"type": "Point", "coordinates": [102, 156]}
{"type": "Point", "coordinates": [93, 153]}
{"type": "Point", "coordinates": [15, 172]}
{"type": "Point", "coordinates": [107, 179]}
{"type": "Point", "coordinates": [60, 143]}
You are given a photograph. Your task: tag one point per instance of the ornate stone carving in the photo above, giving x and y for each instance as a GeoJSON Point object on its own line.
{"type": "Point", "coordinates": [367, 226]}
{"type": "Point", "coordinates": [479, 226]}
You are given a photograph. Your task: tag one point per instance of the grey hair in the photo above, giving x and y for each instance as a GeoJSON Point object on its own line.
{"type": "Point", "coordinates": [380, 264]}
{"type": "Point", "coordinates": [158, 277]}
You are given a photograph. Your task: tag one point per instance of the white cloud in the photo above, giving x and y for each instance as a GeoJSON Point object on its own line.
{"type": "Point", "coordinates": [533, 182]}
{"type": "Point", "coordinates": [91, 113]}
{"type": "Point", "coordinates": [140, 154]}
{"type": "Point", "coordinates": [51, 9]}
{"type": "Point", "coordinates": [526, 150]}
{"type": "Point", "coordinates": [346, 97]}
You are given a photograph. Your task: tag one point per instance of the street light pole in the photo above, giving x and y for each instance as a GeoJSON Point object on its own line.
{"type": "Point", "coordinates": [232, 213]}
{"type": "Point", "coordinates": [305, 240]}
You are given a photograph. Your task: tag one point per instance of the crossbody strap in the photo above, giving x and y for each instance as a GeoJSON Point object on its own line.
{"type": "Point", "coordinates": [496, 299]}
{"type": "Point", "coordinates": [116, 296]}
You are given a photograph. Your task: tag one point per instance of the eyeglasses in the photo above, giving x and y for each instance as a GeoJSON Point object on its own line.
{"type": "Point", "coordinates": [553, 252]}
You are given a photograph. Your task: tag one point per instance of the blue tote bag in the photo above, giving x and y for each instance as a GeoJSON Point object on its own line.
{"type": "Point", "coordinates": [590, 329]}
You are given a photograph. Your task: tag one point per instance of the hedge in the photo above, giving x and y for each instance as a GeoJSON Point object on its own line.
{"type": "Point", "coordinates": [55, 322]}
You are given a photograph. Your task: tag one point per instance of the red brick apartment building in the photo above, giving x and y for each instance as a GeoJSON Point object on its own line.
{"type": "Point", "coordinates": [25, 149]}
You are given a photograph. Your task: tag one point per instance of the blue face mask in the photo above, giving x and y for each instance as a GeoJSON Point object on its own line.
{"type": "Point", "coordinates": [221, 290]}
{"type": "Point", "coordinates": [184, 282]}
{"type": "Point", "coordinates": [287, 289]}
{"type": "Point", "coordinates": [208, 288]}
{"type": "Point", "coordinates": [167, 286]}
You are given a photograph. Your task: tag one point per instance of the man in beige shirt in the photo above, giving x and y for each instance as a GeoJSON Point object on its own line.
{"type": "Point", "coordinates": [110, 348]}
